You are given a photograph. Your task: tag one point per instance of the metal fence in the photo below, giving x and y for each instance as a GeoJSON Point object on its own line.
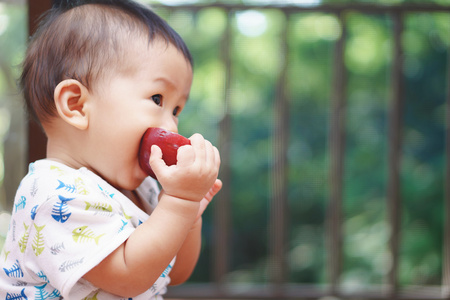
{"type": "Point", "coordinates": [278, 286]}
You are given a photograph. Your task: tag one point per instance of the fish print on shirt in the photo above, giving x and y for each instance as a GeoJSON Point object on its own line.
{"type": "Point", "coordinates": [38, 241]}
{"type": "Point", "coordinates": [105, 192]}
{"type": "Point", "coordinates": [12, 296]}
{"type": "Point", "coordinates": [125, 215]}
{"type": "Point", "coordinates": [43, 294]}
{"type": "Point", "coordinates": [91, 298]}
{"type": "Point", "coordinates": [84, 234]}
{"type": "Point", "coordinates": [6, 253]}
{"type": "Point", "coordinates": [67, 187]}
{"type": "Point", "coordinates": [124, 223]}
{"type": "Point", "coordinates": [42, 276]}
{"type": "Point", "coordinates": [21, 204]}
{"type": "Point", "coordinates": [70, 264]}
{"type": "Point", "coordinates": [60, 211]}
{"type": "Point", "coordinates": [14, 230]}
{"type": "Point", "coordinates": [31, 169]}
{"type": "Point", "coordinates": [24, 239]}
{"type": "Point", "coordinates": [34, 188]}
{"type": "Point", "coordinates": [80, 186]}
{"type": "Point", "coordinates": [57, 169]}
{"type": "Point", "coordinates": [15, 271]}
{"type": "Point", "coordinates": [55, 294]}
{"type": "Point", "coordinates": [29, 236]}
{"type": "Point", "coordinates": [166, 271]}
{"type": "Point", "coordinates": [99, 206]}
{"type": "Point", "coordinates": [33, 212]}
{"type": "Point", "coordinates": [56, 249]}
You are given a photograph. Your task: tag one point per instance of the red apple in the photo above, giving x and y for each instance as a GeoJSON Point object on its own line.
{"type": "Point", "coordinates": [169, 142]}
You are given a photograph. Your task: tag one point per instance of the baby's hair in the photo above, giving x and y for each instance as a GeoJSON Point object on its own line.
{"type": "Point", "coordinates": [84, 40]}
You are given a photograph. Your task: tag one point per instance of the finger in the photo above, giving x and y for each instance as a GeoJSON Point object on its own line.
{"type": "Point", "coordinates": [155, 153]}
{"type": "Point", "coordinates": [217, 159]}
{"type": "Point", "coordinates": [156, 162]}
{"type": "Point", "coordinates": [185, 155]}
{"type": "Point", "coordinates": [209, 153]}
{"type": "Point", "coordinates": [217, 186]}
{"type": "Point", "coordinates": [198, 142]}
{"type": "Point", "coordinates": [203, 205]}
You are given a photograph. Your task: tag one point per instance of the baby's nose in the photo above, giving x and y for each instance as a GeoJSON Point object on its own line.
{"type": "Point", "coordinates": [170, 126]}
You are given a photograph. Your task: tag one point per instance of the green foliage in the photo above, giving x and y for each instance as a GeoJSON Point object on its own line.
{"type": "Point", "coordinates": [12, 45]}
{"type": "Point", "coordinates": [256, 62]}
{"type": "Point", "coordinates": [255, 67]}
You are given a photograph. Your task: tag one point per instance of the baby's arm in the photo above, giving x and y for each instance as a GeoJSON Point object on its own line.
{"type": "Point", "coordinates": [188, 255]}
{"type": "Point", "coordinates": [133, 267]}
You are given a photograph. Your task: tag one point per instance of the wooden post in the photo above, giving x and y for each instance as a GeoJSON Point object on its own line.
{"type": "Point", "coordinates": [337, 156]}
{"type": "Point", "coordinates": [395, 150]}
{"type": "Point", "coordinates": [37, 141]}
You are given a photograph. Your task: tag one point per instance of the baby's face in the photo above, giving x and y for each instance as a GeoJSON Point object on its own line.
{"type": "Point", "coordinates": [151, 94]}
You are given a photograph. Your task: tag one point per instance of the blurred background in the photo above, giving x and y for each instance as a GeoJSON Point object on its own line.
{"type": "Point", "coordinates": [331, 118]}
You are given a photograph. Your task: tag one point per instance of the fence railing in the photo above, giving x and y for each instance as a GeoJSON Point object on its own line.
{"type": "Point", "coordinates": [278, 286]}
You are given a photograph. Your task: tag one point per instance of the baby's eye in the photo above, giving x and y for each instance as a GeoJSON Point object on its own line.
{"type": "Point", "coordinates": [157, 99]}
{"type": "Point", "coordinates": [176, 111]}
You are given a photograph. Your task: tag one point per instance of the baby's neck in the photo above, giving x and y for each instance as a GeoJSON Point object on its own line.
{"type": "Point", "coordinates": [134, 197]}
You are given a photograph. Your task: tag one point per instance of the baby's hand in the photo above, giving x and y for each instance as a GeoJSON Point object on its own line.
{"type": "Point", "coordinates": [194, 174]}
{"type": "Point", "coordinates": [208, 197]}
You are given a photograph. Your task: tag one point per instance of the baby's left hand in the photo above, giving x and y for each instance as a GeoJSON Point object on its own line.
{"type": "Point", "coordinates": [208, 197]}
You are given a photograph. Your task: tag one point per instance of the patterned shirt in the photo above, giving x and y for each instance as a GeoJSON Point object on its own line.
{"type": "Point", "coordinates": [65, 222]}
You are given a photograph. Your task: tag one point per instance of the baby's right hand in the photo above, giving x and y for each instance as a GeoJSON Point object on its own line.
{"type": "Point", "coordinates": [194, 174]}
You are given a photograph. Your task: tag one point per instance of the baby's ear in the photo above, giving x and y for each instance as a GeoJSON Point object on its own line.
{"type": "Point", "coordinates": [71, 98]}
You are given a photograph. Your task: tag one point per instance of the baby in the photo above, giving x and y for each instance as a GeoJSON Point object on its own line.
{"type": "Point", "coordinates": [87, 222]}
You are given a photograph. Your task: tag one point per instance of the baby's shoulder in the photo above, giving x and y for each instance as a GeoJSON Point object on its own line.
{"type": "Point", "coordinates": [47, 180]}
{"type": "Point", "coordinates": [53, 186]}
{"type": "Point", "coordinates": [57, 192]}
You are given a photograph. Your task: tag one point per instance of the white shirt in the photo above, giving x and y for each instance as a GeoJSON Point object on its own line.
{"type": "Point", "coordinates": [64, 222]}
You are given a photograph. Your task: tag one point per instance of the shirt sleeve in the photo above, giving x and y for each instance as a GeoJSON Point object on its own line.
{"type": "Point", "coordinates": [72, 232]}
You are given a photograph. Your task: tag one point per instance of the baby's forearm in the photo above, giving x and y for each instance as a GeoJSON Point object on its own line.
{"type": "Point", "coordinates": [188, 255]}
{"type": "Point", "coordinates": [133, 268]}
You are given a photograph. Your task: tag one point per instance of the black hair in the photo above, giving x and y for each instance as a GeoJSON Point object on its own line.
{"type": "Point", "coordinates": [83, 39]}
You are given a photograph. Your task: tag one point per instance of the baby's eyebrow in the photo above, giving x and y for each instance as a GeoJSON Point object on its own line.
{"type": "Point", "coordinates": [169, 83]}
{"type": "Point", "coordinates": [166, 81]}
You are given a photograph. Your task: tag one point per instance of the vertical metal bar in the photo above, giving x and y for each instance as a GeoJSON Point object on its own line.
{"type": "Point", "coordinates": [337, 148]}
{"type": "Point", "coordinates": [222, 204]}
{"type": "Point", "coordinates": [446, 238]}
{"type": "Point", "coordinates": [278, 206]}
{"type": "Point", "coordinates": [37, 141]}
{"type": "Point", "coordinates": [395, 148]}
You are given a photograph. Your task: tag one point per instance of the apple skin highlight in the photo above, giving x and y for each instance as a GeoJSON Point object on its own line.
{"type": "Point", "coordinates": [168, 141]}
